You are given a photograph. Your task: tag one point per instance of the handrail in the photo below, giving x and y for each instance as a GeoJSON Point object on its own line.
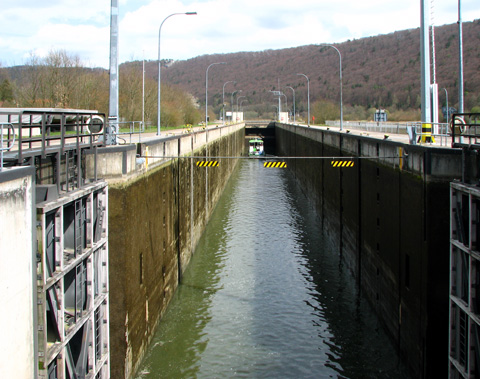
{"type": "Point", "coordinates": [61, 136]}
{"type": "Point", "coordinates": [35, 128]}
{"type": "Point", "coordinates": [2, 149]}
{"type": "Point", "coordinates": [468, 125]}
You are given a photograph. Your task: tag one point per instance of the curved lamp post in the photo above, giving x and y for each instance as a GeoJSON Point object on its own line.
{"type": "Point", "coordinates": [233, 93]}
{"type": "Point", "coordinates": [159, 64]}
{"type": "Point", "coordinates": [206, 92]}
{"type": "Point", "coordinates": [286, 102]}
{"type": "Point", "coordinates": [241, 104]}
{"type": "Point", "coordinates": [308, 91]}
{"type": "Point", "coordinates": [341, 86]}
{"type": "Point", "coordinates": [293, 103]}
{"type": "Point", "coordinates": [223, 97]}
{"type": "Point", "coordinates": [238, 98]}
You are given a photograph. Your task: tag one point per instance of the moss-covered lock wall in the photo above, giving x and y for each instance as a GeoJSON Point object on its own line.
{"type": "Point", "coordinates": [390, 219]}
{"type": "Point", "coordinates": [155, 221]}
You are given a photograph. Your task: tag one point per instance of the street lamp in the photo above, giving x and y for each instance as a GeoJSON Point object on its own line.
{"type": "Point", "coordinates": [308, 91]}
{"type": "Point", "coordinates": [341, 86]}
{"type": "Point", "coordinates": [286, 102]}
{"type": "Point", "coordinates": [279, 94]}
{"type": "Point", "coordinates": [223, 97]}
{"type": "Point", "coordinates": [233, 93]}
{"type": "Point", "coordinates": [293, 103]}
{"type": "Point", "coordinates": [206, 92]}
{"type": "Point", "coordinates": [159, 64]}
{"type": "Point", "coordinates": [238, 98]}
{"type": "Point", "coordinates": [241, 104]}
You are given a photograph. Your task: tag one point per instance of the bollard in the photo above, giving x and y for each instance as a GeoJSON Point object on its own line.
{"type": "Point", "coordinates": [426, 134]}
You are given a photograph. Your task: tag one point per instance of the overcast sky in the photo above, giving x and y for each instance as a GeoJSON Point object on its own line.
{"type": "Point", "coordinates": [82, 27]}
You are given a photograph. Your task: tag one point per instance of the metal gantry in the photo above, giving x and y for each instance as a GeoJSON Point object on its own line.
{"type": "Point", "coordinates": [72, 285]}
{"type": "Point", "coordinates": [56, 138]}
{"type": "Point", "coordinates": [72, 310]}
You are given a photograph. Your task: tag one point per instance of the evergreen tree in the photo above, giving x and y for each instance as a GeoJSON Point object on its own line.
{"type": "Point", "coordinates": [6, 92]}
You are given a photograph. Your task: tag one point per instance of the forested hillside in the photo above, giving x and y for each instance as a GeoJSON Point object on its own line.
{"type": "Point", "coordinates": [378, 72]}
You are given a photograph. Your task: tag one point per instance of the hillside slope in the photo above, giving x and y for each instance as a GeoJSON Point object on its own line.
{"type": "Point", "coordinates": [381, 71]}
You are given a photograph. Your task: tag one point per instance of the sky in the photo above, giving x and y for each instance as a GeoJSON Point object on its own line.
{"type": "Point", "coordinates": [82, 27]}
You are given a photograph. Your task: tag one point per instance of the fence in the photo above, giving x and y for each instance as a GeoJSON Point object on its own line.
{"type": "Point", "coordinates": [439, 133]}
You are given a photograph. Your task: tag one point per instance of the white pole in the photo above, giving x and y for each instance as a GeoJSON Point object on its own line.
{"type": "Point", "coordinates": [308, 95]}
{"type": "Point", "coordinates": [143, 92]}
{"type": "Point", "coordinates": [425, 63]}
{"type": "Point", "coordinates": [113, 101]}
{"type": "Point", "coordinates": [460, 60]}
{"type": "Point", "coordinates": [159, 70]}
{"type": "Point", "coordinates": [293, 103]}
{"type": "Point", "coordinates": [206, 93]}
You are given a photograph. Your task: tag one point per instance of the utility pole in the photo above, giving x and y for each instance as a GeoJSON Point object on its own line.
{"type": "Point", "coordinates": [460, 60]}
{"type": "Point", "coordinates": [425, 63]}
{"type": "Point", "coordinates": [112, 128]}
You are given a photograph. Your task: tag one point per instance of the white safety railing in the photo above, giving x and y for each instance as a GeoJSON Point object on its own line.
{"type": "Point", "coordinates": [438, 133]}
{"type": "Point", "coordinates": [135, 127]}
{"type": "Point", "coordinates": [418, 132]}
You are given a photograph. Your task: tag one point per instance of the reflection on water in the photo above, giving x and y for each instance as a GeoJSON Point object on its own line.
{"type": "Point", "coordinates": [265, 296]}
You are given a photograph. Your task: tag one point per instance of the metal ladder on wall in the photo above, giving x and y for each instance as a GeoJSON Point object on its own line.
{"type": "Point", "coordinates": [79, 226]}
{"type": "Point", "coordinates": [100, 216]}
{"type": "Point", "coordinates": [70, 170]}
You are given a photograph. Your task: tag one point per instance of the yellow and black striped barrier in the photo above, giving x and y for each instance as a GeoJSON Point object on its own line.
{"type": "Point", "coordinates": [343, 163]}
{"type": "Point", "coordinates": [207, 163]}
{"type": "Point", "coordinates": [275, 164]}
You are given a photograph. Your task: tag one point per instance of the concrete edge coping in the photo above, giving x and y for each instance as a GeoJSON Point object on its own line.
{"type": "Point", "coordinates": [12, 173]}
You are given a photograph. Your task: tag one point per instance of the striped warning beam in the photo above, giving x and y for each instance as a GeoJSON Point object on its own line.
{"type": "Point", "coordinates": [342, 163]}
{"type": "Point", "coordinates": [207, 163]}
{"type": "Point", "coordinates": [275, 164]}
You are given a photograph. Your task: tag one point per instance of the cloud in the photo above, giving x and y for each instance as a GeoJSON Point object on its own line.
{"type": "Point", "coordinates": [221, 26]}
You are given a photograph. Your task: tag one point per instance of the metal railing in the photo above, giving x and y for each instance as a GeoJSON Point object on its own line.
{"type": "Point", "coordinates": [135, 127]}
{"type": "Point", "coordinates": [439, 133]}
{"type": "Point", "coordinates": [465, 129]}
{"type": "Point", "coordinates": [41, 130]}
{"type": "Point", "coordinates": [430, 133]}
{"type": "Point", "coordinates": [10, 140]}
{"type": "Point", "coordinates": [54, 135]}
{"type": "Point", "coordinates": [374, 126]}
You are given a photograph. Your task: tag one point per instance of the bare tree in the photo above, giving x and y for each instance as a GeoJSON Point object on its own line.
{"type": "Point", "coordinates": [131, 92]}
{"type": "Point", "coordinates": [28, 90]}
{"type": "Point", "coordinates": [62, 77]}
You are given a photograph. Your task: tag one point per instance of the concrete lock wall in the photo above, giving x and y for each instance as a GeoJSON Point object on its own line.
{"type": "Point", "coordinates": [390, 217]}
{"type": "Point", "coordinates": [156, 218]}
{"type": "Point", "coordinates": [18, 273]}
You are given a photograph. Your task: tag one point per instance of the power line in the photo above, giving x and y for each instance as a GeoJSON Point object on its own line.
{"type": "Point", "coordinates": [264, 158]}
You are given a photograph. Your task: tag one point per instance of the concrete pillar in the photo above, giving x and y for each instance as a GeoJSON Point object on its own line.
{"type": "Point", "coordinates": [18, 273]}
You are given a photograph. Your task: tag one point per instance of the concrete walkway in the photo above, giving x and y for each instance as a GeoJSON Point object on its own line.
{"type": "Point", "coordinates": [440, 142]}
